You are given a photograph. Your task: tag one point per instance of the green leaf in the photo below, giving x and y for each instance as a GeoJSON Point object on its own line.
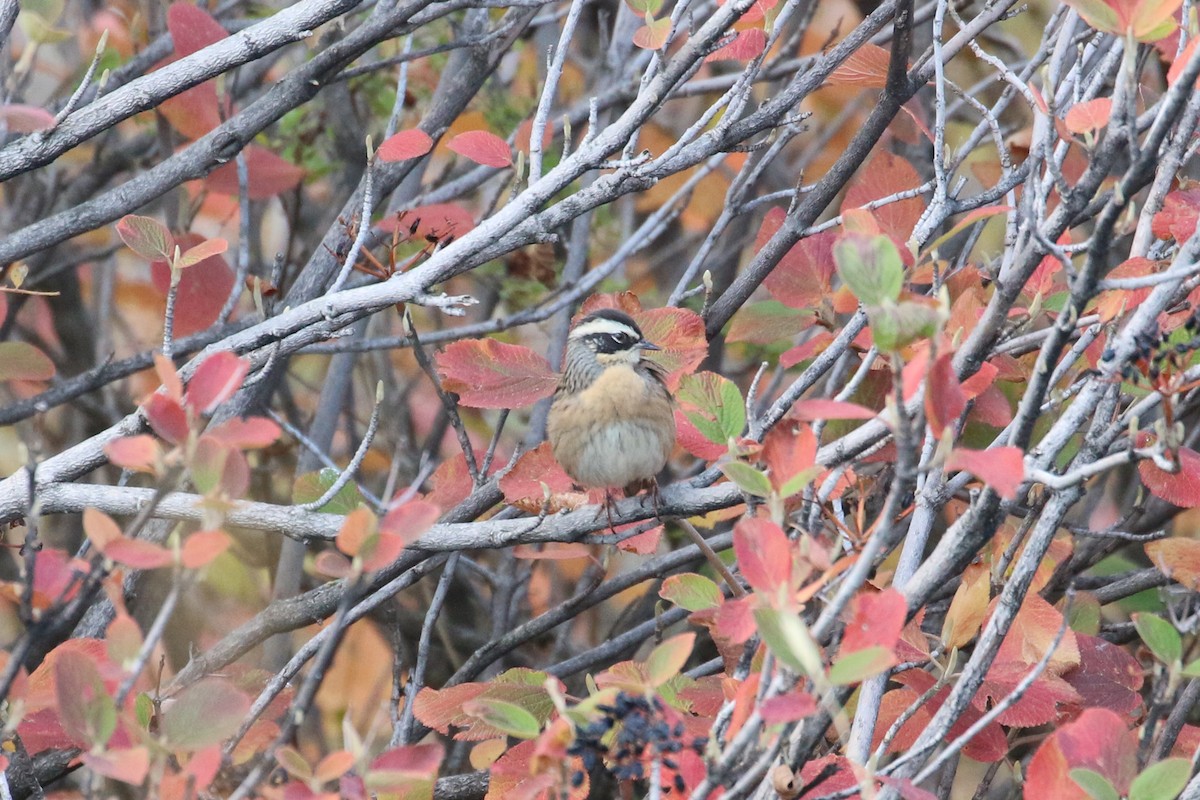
{"type": "Point", "coordinates": [644, 7]}
{"type": "Point", "coordinates": [1161, 781]}
{"type": "Point", "coordinates": [795, 484]}
{"type": "Point", "coordinates": [311, 485]}
{"type": "Point", "coordinates": [667, 659]}
{"type": "Point", "coordinates": [203, 714]}
{"type": "Point", "coordinates": [861, 664]}
{"type": "Point", "coordinates": [788, 637]}
{"type": "Point", "coordinates": [504, 716]}
{"type": "Point", "coordinates": [748, 479]}
{"type": "Point", "coordinates": [1192, 670]}
{"type": "Point", "coordinates": [147, 237]}
{"type": "Point", "coordinates": [691, 591]}
{"type": "Point", "coordinates": [23, 362]}
{"type": "Point", "coordinates": [1160, 636]}
{"type": "Point", "coordinates": [870, 266]}
{"type": "Point", "coordinates": [143, 709]}
{"type": "Point", "coordinates": [1094, 784]}
{"type": "Point", "coordinates": [895, 325]}
{"type": "Point", "coordinates": [720, 411]}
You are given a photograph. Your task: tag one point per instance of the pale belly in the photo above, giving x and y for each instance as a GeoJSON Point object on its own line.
{"type": "Point", "coordinates": [616, 454]}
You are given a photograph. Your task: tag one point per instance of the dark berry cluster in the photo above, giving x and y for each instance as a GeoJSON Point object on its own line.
{"type": "Point", "coordinates": [644, 732]}
{"type": "Point", "coordinates": [1156, 357]}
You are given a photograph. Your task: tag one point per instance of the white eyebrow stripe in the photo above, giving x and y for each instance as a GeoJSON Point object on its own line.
{"type": "Point", "coordinates": [600, 326]}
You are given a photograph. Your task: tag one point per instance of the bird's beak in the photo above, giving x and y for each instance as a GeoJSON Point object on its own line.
{"type": "Point", "coordinates": [648, 345]}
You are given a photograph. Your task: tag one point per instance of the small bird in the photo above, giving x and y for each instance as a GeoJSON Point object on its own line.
{"type": "Point", "coordinates": [612, 421]}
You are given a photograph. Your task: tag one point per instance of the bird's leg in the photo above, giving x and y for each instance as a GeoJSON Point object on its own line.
{"type": "Point", "coordinates": [655, 498]}
{"type": "Point", "coordinates": [608, 503]}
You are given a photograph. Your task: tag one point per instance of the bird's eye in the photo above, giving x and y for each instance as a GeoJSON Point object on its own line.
{"type": "Point", "coordinates": [618, 339]}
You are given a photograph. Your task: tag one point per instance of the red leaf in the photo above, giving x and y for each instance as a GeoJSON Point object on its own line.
{"type": "Point", "coordinates": [679, 333]}
{"type": "Point", "coordinates": [437, 219]}
{"type": "Point", "coordinates": [802, 352]}
{"type": "Point", "coordinates": [795, 705]}
{"type": "Point", "coordinates": [1002, 468]}
{"type": "Point", "coordinates": [787, 453]}
{"type": "Point", "coordinates": [1177, 220]}
{"type": "Point", "coordinates": [164, 368]}
{"type": "Point", "coordinates": [140, 453]}
{"type": "Point", "coordinates": [125, 765]}
{"type": "Point", "coordinates": [1179, 558]}
{"type": "Point", "coordinates": [385, 548]}
{"type": "Point", "coordinates": [945, 399]}
{"type": "Point", "coordinates": [451, 482]}
{"type": "Point", "coordinates": [992, 407]}
{"type": "Point", "coordinates": [764, 554]}
{"type": "Point", "coordinates": [522, 485]}
{"type": "Point", "coordinates": [202, 289]}
{"type": "Point", "coordinates": [735, 619]}
{"type": "Point", "coordinates": [139, 554]}
{"type": "Point", "coordinates": [267, 175]}
{"type": "Point", "coordinates": [865, 68]}
{"type": "Point", "coordinates": [192, 28]}
{"type": "Point", "coordinates": [216, 380]}
{"type": "Point", "coordinates": [392, 770]}
{"type": "Point", "coordinates": [410, 520]}
{"type": "Point", "coordinates": [1089, 116]}
{"type": "Point", "coordinates": [803, 278]}
{"type": "Point", "coordinates": [875, 620]}
{"type": "Point", "coordinates": [1097, 740]}
{"type": "Point", "coordinates": [482, 147]}
{"type": "Point", "coordinates": [195, 111]}
{"type": "Point", "coordinates": [25, 119]}
{"type": "Point", "coordinates": [100, 529]}
{"type": "Point", "coordinates": [884, 175]}
{"type": "Point", "coordinates": [202, 547]}
{"type": "Point", "coordinates": [643, 544]}
{"type": "Point", "coordinates": [411, 143]}
{"type": "Point", "coordinates": [167, 418]}
{"type": "Point", "coordinates": [79, 689]}
{"type": "Point", "coordinates": [842, 777]}
{"type": "Point", "coordinates": [1180, 488]}
{"type": "Point", "coordinates": [982, 379]}
{"type": "Point", "coordinates": [1107, 676]}
{"type": "Point", "coordinates": [694, 441]}
{"type": "Point", "coordinates": [485, 373]}
{"type": "Point", "coordinates": [819, 408]}
{"type": "Point", "coordinates": [746, 45]}
{"type": "Point", "coordinates": [553, 551]}
{"type": "Point", "coordinates": [1178, 63]}
{"type": "Point", "coordinates": [252, 433]}
{"type": "Point", "coordinates": [358, 526]}
{"type": "Point", "coordinates": [204, 766]}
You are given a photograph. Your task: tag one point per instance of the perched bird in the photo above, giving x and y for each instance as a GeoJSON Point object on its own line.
{"type": "Point", "coordinates": [612, 422]}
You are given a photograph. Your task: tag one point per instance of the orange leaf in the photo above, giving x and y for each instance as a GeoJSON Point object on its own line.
{"type": "Point", "coordinates": [409, 520]}
{"type": "Point", "coordinates": [1089, 116]}
{"type": "Point", "coordinates": [140, 453]}
{"type": "Point", "coordinates": [865, 68]}
{"type": "Point", "coordinates": [202, 547]}
{"type": "Point", "coordinates": [1178, 558]}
